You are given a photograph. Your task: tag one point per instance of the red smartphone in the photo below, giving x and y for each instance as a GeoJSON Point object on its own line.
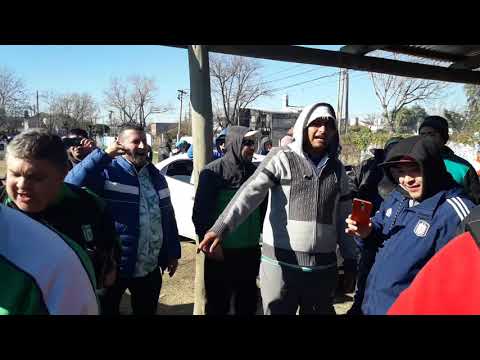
{"type": "Point", "coordinates": [361, 210]}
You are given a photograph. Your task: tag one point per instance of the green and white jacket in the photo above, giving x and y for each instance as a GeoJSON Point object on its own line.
{"type": "Point", "coordinates": [41, 273]}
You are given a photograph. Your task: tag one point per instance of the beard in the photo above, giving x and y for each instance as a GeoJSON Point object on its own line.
{"type": "Point", "coordinates": [139, 159]}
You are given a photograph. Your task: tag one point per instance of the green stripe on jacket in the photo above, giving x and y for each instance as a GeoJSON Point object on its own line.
{"type": "Point", "coordinates": [247, 234]}
{"type": "Point", "coordinates": [457, 170]}
{"type": "Point", "coordinates": [21, 294]}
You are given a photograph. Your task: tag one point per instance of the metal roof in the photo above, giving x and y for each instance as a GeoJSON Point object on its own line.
{"type": "Point", "coordinates": [451, 63]}
{"type": "Point", "coordinates": [466, 57]}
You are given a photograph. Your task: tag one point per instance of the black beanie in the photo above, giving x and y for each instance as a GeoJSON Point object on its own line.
{"type": "Point", "coordinates": [438, 123]}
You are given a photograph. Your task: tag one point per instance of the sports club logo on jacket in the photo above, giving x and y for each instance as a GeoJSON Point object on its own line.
{"type": "Point", "coordinates": [421, 228]}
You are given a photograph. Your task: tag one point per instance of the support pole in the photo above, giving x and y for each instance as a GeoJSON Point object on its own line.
{"type": "Point", "coordinates": [201, 104]}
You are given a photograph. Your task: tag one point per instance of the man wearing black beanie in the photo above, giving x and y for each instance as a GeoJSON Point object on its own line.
{"type": "Point", "coordinates": [461, 170]}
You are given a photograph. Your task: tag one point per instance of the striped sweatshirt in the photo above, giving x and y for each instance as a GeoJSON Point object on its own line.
{"type": "Point", "coordinates": [41, 273]}
{"type": "Point", "coordinates": [306, 213]}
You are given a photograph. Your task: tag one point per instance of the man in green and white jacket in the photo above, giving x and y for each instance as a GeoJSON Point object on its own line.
{"type": "Point", "coordinates": [41, 273]}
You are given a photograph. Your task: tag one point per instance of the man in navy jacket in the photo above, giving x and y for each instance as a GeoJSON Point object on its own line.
{"type": "Point", "coordinates": [139, 201]}
{"type": "Point", "coordinates": [418, 218]}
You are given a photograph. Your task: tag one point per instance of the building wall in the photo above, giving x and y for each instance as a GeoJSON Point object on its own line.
{"type": "Point", "coordinates": [273, 124]}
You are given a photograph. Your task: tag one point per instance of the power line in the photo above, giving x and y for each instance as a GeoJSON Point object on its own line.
{"type": "Point", "coordinates": [286, 69]}
{"type": "Point", "coordinates": [305, 82]}
{"type": "Point", "coordinates": [290, 76]}
{"type": "Point", "coordinates": [331, 82]}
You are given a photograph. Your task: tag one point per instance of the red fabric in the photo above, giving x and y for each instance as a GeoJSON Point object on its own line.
{"type": "Point", "coordinates": [449, 284]}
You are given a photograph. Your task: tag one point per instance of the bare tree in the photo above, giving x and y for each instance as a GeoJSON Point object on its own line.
{"type": "Point", "coordinates": [236, 83]}
{"type": "Point", "coordinates": [395, 92]}
{"type": "Point", "coordinates": [134, 99]}
{"type": "Point", "coordinates": [370, 119]}
{"type": "Point", "coordinates": [13, 95]}
{"type": "Point", "coordinates": [70, 110]}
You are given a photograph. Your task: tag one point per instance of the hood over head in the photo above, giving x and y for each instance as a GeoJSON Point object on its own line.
{"type": "Point", "coordinates": [235, 169]}
{"type": "Point", "coordinates": [309, 114]}
{"type": "Point", "coordinates": [221, 138]}
{"type": "Point", "coordinates": [262, 146]}
{"type": "Point", "coordinates": [233, 142]}
{"type": "Point", "coordinates": [426, 153]}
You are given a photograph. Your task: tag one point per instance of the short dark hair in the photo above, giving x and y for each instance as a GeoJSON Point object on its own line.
{"type": "Point", "coordinates": [440, 124]}
{"type": "Point", "coordinates": [130, 126]}
{"type": "Point", "coordinates": [78, 132]}
{"type": "Point", "coordinates": [39, 144]}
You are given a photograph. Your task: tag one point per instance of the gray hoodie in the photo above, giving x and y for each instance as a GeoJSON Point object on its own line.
{"type": "Point", "coordinates": [306, 213]}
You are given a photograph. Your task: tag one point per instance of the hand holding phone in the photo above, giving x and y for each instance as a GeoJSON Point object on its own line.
{"type": "Point", "coordinates": [359, 221]}
{"type": "Point", "coordinates": [361, 210]}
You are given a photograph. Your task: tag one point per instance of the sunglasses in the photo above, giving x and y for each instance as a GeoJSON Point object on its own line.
{"type": "Point", "coordinates": [248, 142]}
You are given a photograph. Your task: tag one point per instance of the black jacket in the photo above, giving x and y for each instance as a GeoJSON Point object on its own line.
{"type": "Point", "coordinates": [228, 172]}
{"type": "Point", "coordinates": [366, 177]}
{"type": "Point", "coordinates": [470, 181]}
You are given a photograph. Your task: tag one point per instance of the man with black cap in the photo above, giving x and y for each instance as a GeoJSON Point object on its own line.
{"type": "Point", "coordinates": [308, 200]}
{"type": "Point", "coordinates": [461, 170]}
{"type": "Point", "coordinates": [418, 218]}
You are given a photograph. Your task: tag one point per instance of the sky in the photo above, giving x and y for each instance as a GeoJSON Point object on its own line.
{"type": "Point", "coordinates": [89, 69]}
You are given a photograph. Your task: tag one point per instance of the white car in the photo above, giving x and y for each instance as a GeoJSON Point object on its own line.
{"type": "Point", "coordinates": [178, 170]}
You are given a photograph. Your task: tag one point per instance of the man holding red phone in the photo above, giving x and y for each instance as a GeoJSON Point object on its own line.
{"type": "Point", "coordinates": [418, 218]}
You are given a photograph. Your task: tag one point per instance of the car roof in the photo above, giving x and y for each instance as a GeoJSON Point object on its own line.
{"type": "Point", "coordinates": [160, 165]}
{"type": "Point", "coordinates": [257, 158]}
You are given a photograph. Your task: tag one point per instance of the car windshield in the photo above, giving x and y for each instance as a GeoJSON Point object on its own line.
{"type": "Point", "coordinates": [181, 170]}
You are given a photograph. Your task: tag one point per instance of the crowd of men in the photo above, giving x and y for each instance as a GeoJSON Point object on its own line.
{"type": "Point", "coordinates": [80, 225]}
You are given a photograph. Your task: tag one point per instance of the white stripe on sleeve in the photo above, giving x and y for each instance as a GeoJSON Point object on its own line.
{"type": "Point", "coordinates": [460, 215]}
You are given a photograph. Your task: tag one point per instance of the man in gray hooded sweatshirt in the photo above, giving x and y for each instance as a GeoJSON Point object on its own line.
{"type": "Point", "coordinates": [309, 197]}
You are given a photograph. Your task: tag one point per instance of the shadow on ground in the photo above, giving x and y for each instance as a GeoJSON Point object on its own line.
{"type": "Point", "coordinates": [162, 309]}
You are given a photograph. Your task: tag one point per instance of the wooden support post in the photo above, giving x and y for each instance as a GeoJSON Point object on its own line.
{"type": "Point", "coordinates": [202, 132]}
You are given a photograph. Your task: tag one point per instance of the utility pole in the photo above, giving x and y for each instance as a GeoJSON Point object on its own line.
{"type": "Point", "coordinates": [347, 122]}
{"type": "Point", "coordinates": [38, 111]}
{"type": "Point", "coordinates": [202, 132]}
{"type": "Point", "coordinates": [341, 89]}
{"type": "Point", "coordinates": [338, 94]}
{"type": "Point", "coordinates": [180, 97]}
{"type": "Point", "coordinates": [342, 102]}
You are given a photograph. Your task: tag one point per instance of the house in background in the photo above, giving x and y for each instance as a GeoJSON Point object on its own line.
{"type": "Point", "coordinates": [272, 123]}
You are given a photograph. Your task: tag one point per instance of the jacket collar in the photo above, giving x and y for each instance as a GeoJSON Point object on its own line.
{"type": "Point", "coordinates": [130, 168]}
{"type": "Point", "coordinates": [428, 206]}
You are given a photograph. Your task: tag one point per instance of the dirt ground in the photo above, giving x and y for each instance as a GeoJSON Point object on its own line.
{"type": "Point", "coordinates": [2, 169]}
{"type": "Point", "coordinates": [176, 297]}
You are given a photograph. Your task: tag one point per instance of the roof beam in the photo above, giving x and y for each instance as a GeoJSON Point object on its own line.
{"type": "Point", "coordinates": [360, 49]}
{"type": "Point", "coordinates": [470, 63]}
{"type": "Point", "coordinates": [298, 54]}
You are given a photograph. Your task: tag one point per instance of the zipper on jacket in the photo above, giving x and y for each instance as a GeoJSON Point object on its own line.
{"type": "Point", "coordinates": [317, 191]}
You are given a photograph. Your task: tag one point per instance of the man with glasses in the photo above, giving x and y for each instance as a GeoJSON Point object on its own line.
{"type": "Point", "coordinates": [233, 270]}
